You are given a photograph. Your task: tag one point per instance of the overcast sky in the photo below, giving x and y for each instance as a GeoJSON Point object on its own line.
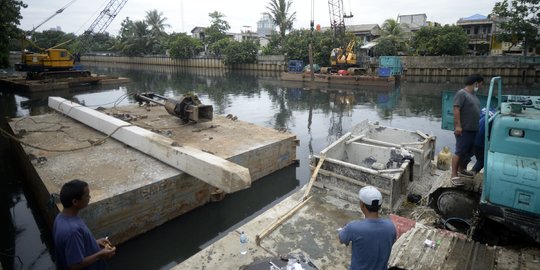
{"type": "Point", "coordinates": [183, 15]}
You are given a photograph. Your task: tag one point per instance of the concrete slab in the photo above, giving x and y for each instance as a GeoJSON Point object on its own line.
{"type": "Point", "coordinates": [311, 231]}
{"type": "Point", "coordinates": [132, 192]}
{"type": "Point", "coordinates": [216, 171]}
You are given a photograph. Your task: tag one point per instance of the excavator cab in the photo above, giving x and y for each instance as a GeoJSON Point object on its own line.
{"type": "Point", "coordinates": [511, 186]}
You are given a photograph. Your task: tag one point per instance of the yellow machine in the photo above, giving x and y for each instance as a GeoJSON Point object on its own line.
{"type": "Point", "coordinates": [48, 60]}
{"type": "Point", "coordinates": [58, 63]}
{"type": "Point", "coordinates": [344, 58]}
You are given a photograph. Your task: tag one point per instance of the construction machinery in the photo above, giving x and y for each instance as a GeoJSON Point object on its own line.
{"type": "Point", "coordinates": [188, 108]}
{"type": "Point", "coordinates": [341, 56]}
{"type": "Point", "coordinates": [506, 201]}
{"type": "Point", "coordinates": [60, 63]}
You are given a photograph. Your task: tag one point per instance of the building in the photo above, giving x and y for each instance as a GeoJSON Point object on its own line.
{"type": "Point", "coordinates": [482, 31]}
{"type": "Point", "coordinates": [364, 32]}
{"type": "Point", "coordinates": [198, 32]}
{"type": "Point", "coordinates": [479, 29]}
{"type": "Point", "coordinates": [265, 26]}
{"type": "Point", "coordinates": [413, 22]}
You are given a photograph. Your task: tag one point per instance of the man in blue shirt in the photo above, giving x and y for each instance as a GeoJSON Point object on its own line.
{"type": "Point", "coordinates": [75, 246]}
{"type": "Point", "coordinates": [372, 238]}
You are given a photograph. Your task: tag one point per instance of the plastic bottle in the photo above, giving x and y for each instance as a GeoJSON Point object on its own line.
{"type": "Point", "coordinates": [243, 243]}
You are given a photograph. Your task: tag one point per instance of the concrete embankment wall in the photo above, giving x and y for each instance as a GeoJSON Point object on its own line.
{"type": "Point", "coordinates": [462, 66]}
{"type": "Point", "coordinates": [266, 63]}
{"type": "Point", "coordinates": [426, 66]}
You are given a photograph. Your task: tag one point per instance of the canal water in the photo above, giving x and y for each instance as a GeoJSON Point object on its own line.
{"type": "Point", "coordinates": [317, 115]}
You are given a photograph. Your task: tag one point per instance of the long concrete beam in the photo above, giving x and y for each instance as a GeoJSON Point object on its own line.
{"type": "Point", "coordinates": [214, 170]}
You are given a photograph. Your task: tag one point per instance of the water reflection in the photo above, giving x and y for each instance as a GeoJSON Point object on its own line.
{"type": "Point", "coordinates": [316, 114]}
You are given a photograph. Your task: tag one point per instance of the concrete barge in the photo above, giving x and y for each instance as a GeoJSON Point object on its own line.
{"type": "Point", "coordinates": [131, 191]}
{"type": "Point", "coordinates": [359, 80]}
{"type": "Point", "coordinates": [19, 83]}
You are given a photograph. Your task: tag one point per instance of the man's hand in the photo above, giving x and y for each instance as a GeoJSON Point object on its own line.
{"type": "Point", "coordinates": [458, 130]}
{"type": "Point", "coordinates": [106, 253]}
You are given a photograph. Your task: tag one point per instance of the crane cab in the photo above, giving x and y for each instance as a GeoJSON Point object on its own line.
{"type": "Point", "coordinates": [49, 60]}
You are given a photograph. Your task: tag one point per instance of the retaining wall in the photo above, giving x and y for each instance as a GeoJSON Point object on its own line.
{"type": "Point", "coordinates": [424, 66]}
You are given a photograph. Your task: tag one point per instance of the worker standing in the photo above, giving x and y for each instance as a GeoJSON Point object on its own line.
{"type": "Point", "coordinates": [372, 238]}
{"type": "Point", "coordinates": [466, 118]}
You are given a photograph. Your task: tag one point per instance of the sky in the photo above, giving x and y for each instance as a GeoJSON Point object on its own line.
{"type": "Point", "coordinates": [184, 15]}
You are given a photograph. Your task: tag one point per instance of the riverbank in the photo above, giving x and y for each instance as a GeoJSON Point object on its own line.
{"type": "Point", "coordinates": [413, 66]}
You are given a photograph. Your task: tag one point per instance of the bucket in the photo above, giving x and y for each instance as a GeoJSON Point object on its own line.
{"type": "Point", "coordinates": [444, 159]}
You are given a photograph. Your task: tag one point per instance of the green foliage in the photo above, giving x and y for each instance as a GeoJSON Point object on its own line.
{"type": "Point", "coordinates": [437, 40]}
{"type": "Point", "coordinates": [395, 33]}
{"type": "Point", "coordinates": [11, 15]}
{"type": "Point", "coordinates": [143, 37]}
{"type": "Point", "coordinates": [217, 29]}
{"type": "Point", "coordinates": [217, 48]}
{"type": "Point", "coordinates": [279, 12]}
{"type": "Point", "coordinates": [182, 46]}
{"type": "Point", "coordinates": [244, 52]}
{"type": "Point", "coordinates": [296, 46]}
{"type": "Point", "coordinates": [274, 45]}
{"type": "Point", "coordinates": [48, 39]}
{"type": "Point", "coordinates": [386, 46]}
{"type": "Point", "coordinates": [520, 21]}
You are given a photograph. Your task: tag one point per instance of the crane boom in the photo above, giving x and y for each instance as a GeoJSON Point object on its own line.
{"type": "Point", "coordinates": [337, 20]}
{"type": "Point", "coordinates": [105, 17]}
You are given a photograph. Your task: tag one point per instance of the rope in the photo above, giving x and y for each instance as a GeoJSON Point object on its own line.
{"type": "Point", "coordinates": [98, 142]}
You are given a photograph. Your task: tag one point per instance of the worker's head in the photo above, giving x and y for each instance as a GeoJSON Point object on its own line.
{"type": "Point", "coordinates": [370, 198]}
{"type": "Point", "coordinates": [75, 193]}
{"type": "Point", "coordinates": [475, 81]}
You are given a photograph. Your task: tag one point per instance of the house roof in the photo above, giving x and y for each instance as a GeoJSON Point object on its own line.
{"type": "Point", "coordinates": [357, 28]}
{"type": "Point", "coordinates": [198, 29]}
{"type": "Point", "coordinates": [475, 17]}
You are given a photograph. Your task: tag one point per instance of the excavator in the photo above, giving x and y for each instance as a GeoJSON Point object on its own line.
{"type": "Point", "coordinates": [505, 204]}
{"type": "Point", "coordinates": [56, 62]}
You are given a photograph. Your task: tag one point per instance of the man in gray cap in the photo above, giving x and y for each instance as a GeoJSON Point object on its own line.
{"type": "Point", "coordinates": [372, 238]}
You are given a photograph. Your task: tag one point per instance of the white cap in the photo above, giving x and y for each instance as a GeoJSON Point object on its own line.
{"type": "Point", "coordinates": [369, 194]}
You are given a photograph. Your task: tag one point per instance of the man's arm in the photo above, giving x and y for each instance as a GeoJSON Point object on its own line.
{"type": "Point", "coordinates": [104, 253]}
{"type": "Point", "coordinates": [457, 121]}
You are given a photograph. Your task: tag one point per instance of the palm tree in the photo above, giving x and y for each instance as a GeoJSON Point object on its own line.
{"type": "Point", "coordinates": [156, 21]}
{"type": "Point", "coordinates": [395, 32]}
{"type": "Point", "coordinates": [278, 10]}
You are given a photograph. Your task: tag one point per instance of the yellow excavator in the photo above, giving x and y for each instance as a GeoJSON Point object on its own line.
{"type": "Point", "coordinates": [344, 58]}
{"type": "Point", "coordinates": [55, 62]}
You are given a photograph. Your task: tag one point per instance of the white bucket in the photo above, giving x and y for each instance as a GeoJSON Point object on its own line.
{"type": "Point", "coordinates": [506, 108]}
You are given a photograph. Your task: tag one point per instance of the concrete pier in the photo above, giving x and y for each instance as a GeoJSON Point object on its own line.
{"type": "Point", "coordinates": [131, 191]}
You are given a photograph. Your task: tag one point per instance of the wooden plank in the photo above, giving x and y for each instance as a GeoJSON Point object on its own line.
{"type": "Point", "coordinates": [313, 176]}
{"type": "Point", "coordinates": [214, 170]}
{"type": "Point", "coordinates": [279, 221]}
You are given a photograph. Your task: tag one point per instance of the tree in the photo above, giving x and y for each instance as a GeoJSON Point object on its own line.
{"type": "Point", "coordinates": [395, 33]}
{"type": "Point", "coordinates": [520, 21]}
{"type": "Point", "coordinates": [49, 38]}
{"type": "Point", "coordinates": [218, 47]}
{"type": "Point", "coordinates": [385, 46]}
{"type": "Point", "coordinates": [157, 25]}
{"type": "Point", "coordinates": [183, 46]}
{"type": "Point", "coordinates": [437, 40]}
{"type": "Point", "coordinates": [156, 21]}
{"type": "Point", "coordinates": [135, 38]}
{"type": "Point", "coordinates": [278, 10]}
{"type": "Point", "coordinates": [11, 15]}
{"type": "Point", "coordinates": [244, 52]}
{"type": "Point", "coordinates": [217, 29]}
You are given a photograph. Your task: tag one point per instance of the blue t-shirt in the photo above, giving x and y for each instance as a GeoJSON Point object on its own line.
{"type": "Point", "coordinates": [372, 241]}
{"type": "Point", "coordinates": [73, 241]}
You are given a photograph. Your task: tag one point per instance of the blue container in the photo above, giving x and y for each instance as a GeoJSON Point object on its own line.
{"type": "Point", "coordinates": [296, 65]}
{"type": "Point", "coordinates": [385, 71]}
{"type": "Point", "coordinates": [389, 61]}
